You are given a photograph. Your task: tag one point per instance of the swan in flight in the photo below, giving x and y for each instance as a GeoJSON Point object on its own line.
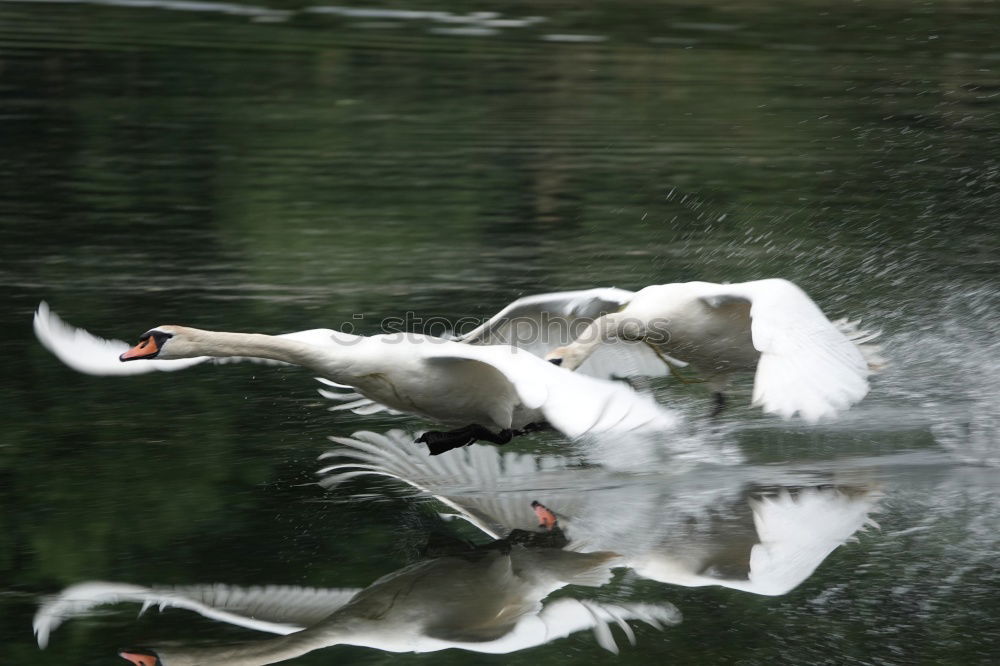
{"type": "Point", "coordinates": [491, 392]}
{"type": "Point", "coordinates": [488, 600]}
{"type": "Point", "coordinates": [805, 364]}
{"type": "Point", "coordinates": [758, 530]}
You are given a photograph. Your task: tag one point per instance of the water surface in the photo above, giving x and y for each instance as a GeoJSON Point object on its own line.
{"type": "Point", "coordinates": [283, 167]}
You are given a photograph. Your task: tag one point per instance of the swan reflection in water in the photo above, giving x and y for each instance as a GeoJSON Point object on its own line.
{"type": "Point", "coordinates": [761, 530]}
{"type": "Point", "coordinates": [484, 599]}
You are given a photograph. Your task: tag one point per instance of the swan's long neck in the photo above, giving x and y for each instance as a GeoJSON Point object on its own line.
{"type": "Point", "coordinates": [602, 329]}
{"type": "Point", "coordinates": [328, 360]}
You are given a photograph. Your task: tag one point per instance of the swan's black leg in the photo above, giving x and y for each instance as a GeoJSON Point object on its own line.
{"type": "Point", "coordinates": [719, 400]}
{"type": "Point", "coordinates": [439, 442]}
{"type": "Point", "coordinates": [532, 427]}
{"type": "Point", "coordinates": [553, 538]}
{"type": "Point", "coordinates": [501, 437]}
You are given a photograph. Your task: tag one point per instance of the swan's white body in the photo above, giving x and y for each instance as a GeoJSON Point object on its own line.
{"type": "Point", "coordinates": [491, 603]}
{"type": "Point", "coordinates": [804, 363]}
{"type": "Point", "coordinates": [702, 528]}
{"type": "Point", "coordinates": [497, 387]}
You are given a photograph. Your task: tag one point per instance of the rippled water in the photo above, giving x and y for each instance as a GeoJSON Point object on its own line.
{"type": "Point", "coordinates": [283, 167]}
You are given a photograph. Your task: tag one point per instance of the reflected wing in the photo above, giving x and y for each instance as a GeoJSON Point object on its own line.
{"type": "Point", "coordinates": [797, 532]}
{"type": "Point", "coordinates": [574, 404]}
{"type": "Point", "coordinates": [566, 616]}
{"type": "Point", "coordinates": [274, 608]}
{"type": "Point", "coordinates": [542, 322]}
{"type": "Point", "coordinates": [806, 365]}
{"type": "Point", "coordinates": [490, 489]}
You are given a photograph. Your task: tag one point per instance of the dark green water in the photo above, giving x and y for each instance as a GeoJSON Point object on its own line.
{"type": "Point", "coordinates": [293, 169]}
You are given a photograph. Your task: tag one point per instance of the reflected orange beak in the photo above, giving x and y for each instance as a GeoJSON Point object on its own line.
{"type": "Point", "coordinates": [140, 659]}
{"type": "Point", "coordinates": [144, 349]}
{"type": "Point", "coordinates": [546, 518]}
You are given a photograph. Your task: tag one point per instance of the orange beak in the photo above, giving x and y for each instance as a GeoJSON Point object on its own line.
{"type": "Point", "coordinates": [144, 349]}
{"type": "Point", "coordinates": [140, 659]}
{"type": "Point", "coordinates": [546, 518]}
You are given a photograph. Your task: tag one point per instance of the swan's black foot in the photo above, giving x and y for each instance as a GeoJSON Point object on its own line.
{"type": "Point", "coordinates": [553, 538]}
{"type": "Point", "coordinates": [719, 403]}
{"type": "Point", "coordinates": [439, 442]}
{"type": "Point", "coordinates": [531, 427]}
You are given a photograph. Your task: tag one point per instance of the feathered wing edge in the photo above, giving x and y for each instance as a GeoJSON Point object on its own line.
{"type": "Point", "coordinates": [92, 355]}
{"type": "Point", "coordinates": [574, 404]}
{"type": "Point", "coordinates": [570, 305]}
{"type": "Point", "coordinates": [565, 616]}
{"type": "Point", "coordinates": [541, 322]}
{"type": "Point", "coordinates": [276, 609]}
{"type": "Point", "coordinates": [808, 365]}
{"type": "Point", "coordinates": [864, 340]}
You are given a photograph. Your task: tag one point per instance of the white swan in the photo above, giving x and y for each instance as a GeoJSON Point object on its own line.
{"type": "Point", "coordinates": [488, 601]}
{"type": "Point", "coordinates": [492, 391]}
{"type": "Point", "coordinates": [758, 530]}
{"type": "Point", "coordinates": [804, 363]}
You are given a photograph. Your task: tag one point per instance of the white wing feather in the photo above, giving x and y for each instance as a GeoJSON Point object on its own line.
{"type": "Point", "coordinates": [541, 322]}
{"type": "Point", "coordinates": [574, 404]}
{"type": "Point", "coordinates": [806, 365]}
{"type": "Point", "coordinates": [568, 306]}
{"type": "Point", "coordinates": [566, 616]}
{"type": "Point", "coordinates": [275, 609]}
{"type": "Point", "coordinates": [353, 401]}
{"type": "Point", "coordinates": [91, 355]}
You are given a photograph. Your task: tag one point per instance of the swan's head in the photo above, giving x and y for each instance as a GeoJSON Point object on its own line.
{"type": "Point", "coordinates": [140, 656]}
{"type": "Point", "coordinates": [570, 357]}
{"type": "Point", "coordinates": [160, 342]}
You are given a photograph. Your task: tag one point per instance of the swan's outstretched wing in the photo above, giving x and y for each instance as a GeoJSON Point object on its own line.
{"type": "Point", "coordinates": [350, 399]}
{"type": "Point", "coordinates": [574, 404]}
{"type": "Point", "coordinates": [91, 355]}
{"type": "Point", "coordinates": [797, 532]}
{"type": "Point", "coordinates": [538, 310]}
{"type": "Point", "coordinates": [491, 489]}
{"type": "Point", "coordinates": [276, 609]}
{"type": "Point", "coordinates": [806, 365]}
{"type": "Point", "coordinates": [542, 322]}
